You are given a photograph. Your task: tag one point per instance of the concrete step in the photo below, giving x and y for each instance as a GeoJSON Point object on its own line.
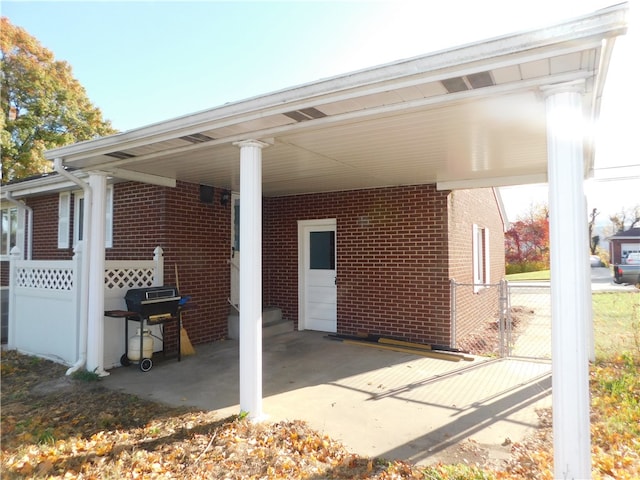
{"type": "Point", "coordinates": [272, 323]}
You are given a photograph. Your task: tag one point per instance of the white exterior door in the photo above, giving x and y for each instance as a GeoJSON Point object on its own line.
{"type": "Point", "coordinates": [317, 275]}
{"type": "Point", "coordinates": [234, 262]}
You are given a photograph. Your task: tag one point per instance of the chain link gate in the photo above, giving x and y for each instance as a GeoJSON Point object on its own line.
{"type": "Point", "coordinates": [501, 319]}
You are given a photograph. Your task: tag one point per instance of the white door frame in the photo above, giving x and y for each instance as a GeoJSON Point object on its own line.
{"type": "Point", "coordinates": [234, 259]}
{"type": "Point", "coordinates": [302, 246]}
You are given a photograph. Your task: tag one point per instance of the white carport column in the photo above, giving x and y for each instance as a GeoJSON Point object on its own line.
{"type": "Point", "coordinates": [569, 290]}
{"type": "Point", "coordinates": [251, 278]}
{"type": "Point", "coordinates": [95, 257]}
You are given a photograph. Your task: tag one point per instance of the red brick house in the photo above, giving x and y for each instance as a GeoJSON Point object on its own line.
{"type": "Point", "coordinates": [622, 244]}
{"type": "Point", "coordinates": [356, 172]}
{"type": "Point", "coordinates": [396, 249]}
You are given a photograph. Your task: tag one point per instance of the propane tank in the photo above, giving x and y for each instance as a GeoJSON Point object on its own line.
{"type": "Point", "coordinates": [133, 351]}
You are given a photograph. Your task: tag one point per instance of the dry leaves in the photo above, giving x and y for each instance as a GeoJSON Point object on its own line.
{"type": "Point", "coordinates": [57, 428]}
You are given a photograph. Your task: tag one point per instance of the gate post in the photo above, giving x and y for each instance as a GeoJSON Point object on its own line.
{"type": "Point", "coordinates": [452, 307]}
{"type": "Point", "coordinates": [505, 319]}
{"type": "Point", "coordinates": [14, 256]}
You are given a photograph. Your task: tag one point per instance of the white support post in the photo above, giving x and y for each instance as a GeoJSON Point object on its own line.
{"type": "Point", "coordinates": [95, 257]}
{"type": "Point", "coordinates": [80, 303]}
{"type": "Point", "coordinates": [569, 292]}
{"type": "Point", "coordinates": [251, 278]}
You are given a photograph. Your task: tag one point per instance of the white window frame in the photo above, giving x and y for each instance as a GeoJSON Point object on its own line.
{"type": "Point", "coordinates": [481, 263]}
{"type": "Point", "coordinates": [64, 224]}
{"type": "Point", "coordinates": [64, 219]}
{"type": "Point", "coordinates": [20, 220]}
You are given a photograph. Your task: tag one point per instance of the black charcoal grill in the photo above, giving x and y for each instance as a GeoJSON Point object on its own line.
{"type": "Point", "coordinates": [149, 306]}
{"type": "Point", "coordinates": [153, 303]}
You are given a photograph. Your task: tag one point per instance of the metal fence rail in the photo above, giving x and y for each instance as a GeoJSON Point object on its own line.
{"type": "Point", "coordinates": [502, 319]}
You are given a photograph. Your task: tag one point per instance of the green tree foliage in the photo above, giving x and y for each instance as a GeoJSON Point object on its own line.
{"type": "Point", "coordinates": [43, 105]}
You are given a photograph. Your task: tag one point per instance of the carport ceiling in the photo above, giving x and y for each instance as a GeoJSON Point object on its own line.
{"type": "Point", "coordinates": [468, 116]}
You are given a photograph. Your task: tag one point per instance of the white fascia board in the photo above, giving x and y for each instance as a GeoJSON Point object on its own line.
{"type": "Point", "coordinates": [492, 182]}
{"type": "Point", "coordinates": [506, 225]}
{"type": "Point", "coordinates": [596, 101]}
{"type": "Point", "coordinates": [602, 24]}
{"type": "Point", "coordinates": [141, 177]}
{"type": "Point", "coordinates": [56, 183]}
{"type": "Point", "coordinates": [49, 184]}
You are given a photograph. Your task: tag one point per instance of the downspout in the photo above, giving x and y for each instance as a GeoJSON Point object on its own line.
{"type": "Point", "coordinates": [20, 204]}
{"type": "Point", "coordinates": [84, 274]}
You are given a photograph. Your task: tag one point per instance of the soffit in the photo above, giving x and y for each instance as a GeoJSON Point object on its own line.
{"type": "Point", "coordinates": [474, 116]}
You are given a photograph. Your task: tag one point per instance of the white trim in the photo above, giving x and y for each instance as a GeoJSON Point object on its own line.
{"type": "Point", "coordinates": [108, 225]}
{"type": "Point", "coordinates": [142, 177]}
{"type": "Point", "coordinates": [476, 255]}
{"type": "Point", "coordinates": [108, 218]}
{"type": "Point", "coordinates": [64, 219]}
{"type": "Point", "coordinates": [491, 182]}
{"type": "Point", "coordinates": [487, 258]}
{"type": "Point", "coordinates": [78, 206]}
{"type": "Point", "coordinates": [302, 249]}
{"type": "Point", "coordinates": [20, 222]}
{"type": "Point", "coordinates": [480, 252]}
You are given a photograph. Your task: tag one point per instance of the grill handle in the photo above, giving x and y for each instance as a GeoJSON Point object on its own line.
{"type": "Point", "coordinates": [159, 300]}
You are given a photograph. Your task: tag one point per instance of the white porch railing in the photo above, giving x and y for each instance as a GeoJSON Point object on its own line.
{"type": "Point", "coordinates": [44, 307]}
{"type": "Point", "coordinates": [44, 304]}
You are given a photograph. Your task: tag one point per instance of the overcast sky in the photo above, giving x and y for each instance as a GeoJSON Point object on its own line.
{"type": "Point", "coordinates": [144, 62]}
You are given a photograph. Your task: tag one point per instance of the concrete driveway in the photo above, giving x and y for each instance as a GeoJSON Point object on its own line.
{"type": "Point", "coordinates": [377, 402]}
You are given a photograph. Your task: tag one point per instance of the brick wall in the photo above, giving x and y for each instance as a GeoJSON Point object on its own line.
{"type": "Point", "coordinates": [467, 207]}
{"type": "Point", "coordinates": [394, 245]}
{"type": "Point", "coordinates": [45, 229]}
{"type": "Point", "coordinates": [198, 239]}
{"type": "Point", "coordinates": [195, 236]}
{"type": "Point", "coordinates": [392, 251]}
{"type": "Point", "coordinates": [475, 309]}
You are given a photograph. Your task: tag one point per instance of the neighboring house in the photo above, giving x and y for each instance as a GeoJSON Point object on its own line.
{"type": "Point", "coordinates": [622, 244]}
{"type": "Point", "coordinates": [349, 204]}
{"type": "Point", "coordinates": [395, 250]}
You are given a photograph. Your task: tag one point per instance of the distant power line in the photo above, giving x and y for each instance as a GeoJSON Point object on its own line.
{"type": "Point", "coordinates": [631, 172]}
{"type": "Point", "coordinates": [616, 179]}
{"type": "Point", "coordinates": [619, 166]}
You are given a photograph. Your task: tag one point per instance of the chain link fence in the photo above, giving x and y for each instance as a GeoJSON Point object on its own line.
{"type": "Point", "coordinates": [502, 319]}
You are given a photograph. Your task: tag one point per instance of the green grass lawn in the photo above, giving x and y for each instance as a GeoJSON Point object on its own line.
{"type": "Point", "coordinates": [529, 276]}
{"type": "Point", "coordinates": [616, 323]}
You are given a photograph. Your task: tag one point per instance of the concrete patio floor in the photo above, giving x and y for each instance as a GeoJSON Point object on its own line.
{"type": "Point", "coordinates": [376, 402]}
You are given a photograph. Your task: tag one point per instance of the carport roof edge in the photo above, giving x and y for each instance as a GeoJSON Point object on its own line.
{"type": "Point", "coordinates": [589, 29]}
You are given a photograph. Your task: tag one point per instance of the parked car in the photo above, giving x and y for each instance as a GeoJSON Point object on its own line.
{"type": "Point", "coordinates": [633, 259]}
{"type": "Point", "coordinates": [595, 261]}
{"type": "Point", "coordinates": [628, 271]}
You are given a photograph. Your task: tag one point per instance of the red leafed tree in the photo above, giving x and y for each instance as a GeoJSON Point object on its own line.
{"type": "Point", "coordinates": [527, 242]}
